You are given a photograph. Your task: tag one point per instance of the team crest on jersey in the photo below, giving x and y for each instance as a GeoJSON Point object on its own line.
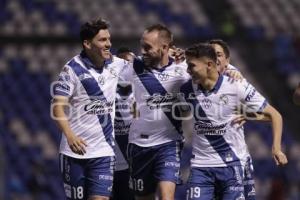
{"type": "Point", "coordinates": [206, 103]}
{"type": "Point", "coordinates": [113, 73]}
{"type": "Point", "coordinates": [229, 158]}
{"type": "Point", "coordinates": [84, 76]}
{"type": "Point", "coordinates": [178, 71]}
{"type": "Point", "coordinates": [223, 99]}
{"type": "Point", "coordinates": [163, 76]}
{"type": "Point", "coordinates": [101, 80]}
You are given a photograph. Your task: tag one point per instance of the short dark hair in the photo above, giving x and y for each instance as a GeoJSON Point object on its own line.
{"type": "Point", "coordinates": [89, 29]}
{"type": "Point", "coordinates": [123, 50]}
{"type": "Point", "coordinates": [223, 44]}
{"type": "Point", "coordinates": [201, 50]}
{"type": "Point", "coordinates": [164, 32]}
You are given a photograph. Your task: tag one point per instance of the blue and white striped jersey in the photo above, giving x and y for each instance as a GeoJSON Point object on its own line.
{"type": "Point", "coordinates": [155, 92]}
{"type": "Point", "coordinates": [91, 110]}
{"type": "Point", "coordinates": [216, 141]}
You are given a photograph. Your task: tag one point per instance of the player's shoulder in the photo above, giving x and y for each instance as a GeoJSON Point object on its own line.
{"type": "Point", "coordinates": [117, 62]}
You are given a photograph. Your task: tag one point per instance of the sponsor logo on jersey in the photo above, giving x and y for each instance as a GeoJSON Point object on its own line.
{"type": "Point", "coordinates": [172, 164]}
{"type": "Point", "coordinates": [204, 128]}
{"type": "Point", "coordinates": [105, 177]}
{"type": "Point", "coordinates": [159, 101]}
{"type": "Point", "coordinates": [64, 77]}
{"type": "Point", "coordinates": [251, 94]}
{"type": "Point", "coordinates": [98, 107]}
{"type": "Point", "coordinates": [65, 69]}
{"type": "Point", "coordinates": [64, 87]}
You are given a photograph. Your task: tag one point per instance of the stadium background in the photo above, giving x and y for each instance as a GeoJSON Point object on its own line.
{"type": "Point", "coordinates": [38, 36]}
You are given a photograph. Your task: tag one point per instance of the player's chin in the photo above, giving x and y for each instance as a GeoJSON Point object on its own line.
{"type": "Point", "coordinates": [106, 54]}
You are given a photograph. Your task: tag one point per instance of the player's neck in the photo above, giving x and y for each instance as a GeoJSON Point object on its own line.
{"type": "Point", "coordinates": [210, 82]}
{"type": "Point", "coordinates": [97, 61]}
{"type": "Point", "coordinates": [164, 61]}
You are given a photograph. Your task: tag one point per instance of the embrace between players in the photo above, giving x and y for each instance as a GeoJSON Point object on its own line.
{"type": "Point", "coordinates": [111, 149]}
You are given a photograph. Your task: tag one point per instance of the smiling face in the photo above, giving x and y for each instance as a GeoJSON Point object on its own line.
{"type": "Point", "coordinates": [152, 48]}
{"type": "Point", "coordinates": [99, 45]}
{"type": "Point", "coordinates": [197, 68]}
{"type": "Point", "coordinates": [222, 60]}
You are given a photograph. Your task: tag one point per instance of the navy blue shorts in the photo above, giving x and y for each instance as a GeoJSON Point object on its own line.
{"type": "Point", "coordinates": [87, 177]}
{"type": "Point", "coordinates": [149, 165]}
{"type": "Point", "coordinates": [205, 182]}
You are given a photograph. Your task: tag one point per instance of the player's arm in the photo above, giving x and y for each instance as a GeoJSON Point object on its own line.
{"type": "Point", "coordinates": [276, 122]}
{"type": "Point", "coordinates": [256, 103]}
{"type": "Point", "coordinates": [296, 97]}
{"type": "Point", "coordinates": [59, 104]}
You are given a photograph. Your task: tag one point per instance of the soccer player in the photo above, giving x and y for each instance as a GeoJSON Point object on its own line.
{"type": "Point", "coordinates": [223, 58]}
{"type": "Point", "coordinates": [83, 107]}
{"type": "Point", "coordinates": [155, 137]}
{"type": "Point", "coordinates": [219, 149]}
{"type": "Point", "coordinates": [123, 119]}
{"type": "Point", "coordinates": [296, 96]}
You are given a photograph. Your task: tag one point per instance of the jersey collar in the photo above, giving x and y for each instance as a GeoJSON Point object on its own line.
{"type": "Point", "coordinates": [89, 64]}
{"type": "Point", "coordinates": [215, 89]}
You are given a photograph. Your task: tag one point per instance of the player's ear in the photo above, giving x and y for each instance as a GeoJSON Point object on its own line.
{"type": "Point", "coordinates": [87, 44]}
{"type": "Point", "coordinates": [228, 60]}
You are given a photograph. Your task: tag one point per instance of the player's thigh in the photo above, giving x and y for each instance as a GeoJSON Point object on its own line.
{"type": "Point", "coordinates": [232, 183]}
{"type": "Point", "coordinates": [201, 184]}
{"type": "Point", "coordinates": [99, 177]}
{"type": "Point", "coordinates": [141, 160]}
{"type": "Point", "coordinates": [72, 171]}
{"type": "Point", "coordinates": [167, 163]}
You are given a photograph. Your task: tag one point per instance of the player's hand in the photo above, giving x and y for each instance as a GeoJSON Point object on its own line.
{"type": "Point", "coordinates": [76, 144]}
{"type": "Point", "coordinates": [234, 75]}
{"type": "Point", "coordinates": [240, 120]}
{"type": "Point", "coordinates": [177, 54]}
{"type": "Point", "coordinates": [279, 157]}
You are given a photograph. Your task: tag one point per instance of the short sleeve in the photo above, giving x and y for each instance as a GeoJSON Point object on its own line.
{"type": "Point", "coordinates": [231, 67]}
{"type": "Point", "coordinates": [250, 97]}
{"type": "Point", "coordinates": [65, 84]}
{"type": "Point", "coordinates": [126, 72]}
